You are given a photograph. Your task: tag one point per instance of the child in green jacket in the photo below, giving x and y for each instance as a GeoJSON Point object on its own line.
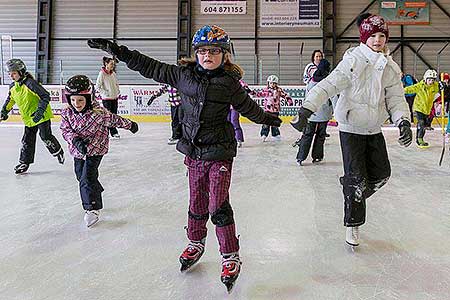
{"type": "Point", "coordinates": [33, 103]}
{"type": "Point", "coordinates": [425, 91]}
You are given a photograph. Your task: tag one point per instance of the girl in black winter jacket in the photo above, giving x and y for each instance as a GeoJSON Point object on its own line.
{"type": "Point", "coordinates": [209, 84]}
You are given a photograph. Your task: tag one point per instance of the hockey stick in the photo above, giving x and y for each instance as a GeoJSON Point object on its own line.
{"type": "Point", "coordinates": [442, 103]}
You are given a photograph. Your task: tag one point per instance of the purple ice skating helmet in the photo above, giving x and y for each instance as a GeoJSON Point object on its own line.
{"type": "Point", "coordinates": [16, 64]}
{"type": "Point", "coordinates": [79, 85]}
{"type": "Point", "coordinates": [211, 35]}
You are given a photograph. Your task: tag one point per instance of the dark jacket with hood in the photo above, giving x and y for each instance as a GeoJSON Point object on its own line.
{"type": "Point", "coordinates": [206, 97]}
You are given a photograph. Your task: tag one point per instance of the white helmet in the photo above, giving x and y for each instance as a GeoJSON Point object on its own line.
{"type": "Point", "coordinates": [430, 74]}
{"type": "Point", "coordinates": [273, 78]}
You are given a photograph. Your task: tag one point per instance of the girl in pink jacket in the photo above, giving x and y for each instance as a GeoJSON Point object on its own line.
{"type": "Point", "coordinates": [85, 128]}
{"type": "Point", "coordinates": [272, 104]}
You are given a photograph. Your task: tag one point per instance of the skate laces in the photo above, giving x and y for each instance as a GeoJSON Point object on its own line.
{"type": "Point", "coordinates": [193, 249]}
{"type": "Point", "coordinates": [231, 265]}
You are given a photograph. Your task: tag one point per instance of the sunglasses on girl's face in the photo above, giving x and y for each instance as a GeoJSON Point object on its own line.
{"type": "Point", "coordinates": [212, 51]}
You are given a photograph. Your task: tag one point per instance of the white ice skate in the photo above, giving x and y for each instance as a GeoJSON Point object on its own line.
{"type": "Point", "coordinates": [239, 144]}
{"type": "Point", "coordinates": [263, 138]}
{"type": "Point", "coordinates": [91, 217]}
{"type": "Point", "coordinates": [352, 237]}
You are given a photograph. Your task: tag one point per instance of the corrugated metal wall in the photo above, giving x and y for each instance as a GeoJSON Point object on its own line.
{"type": "Point", "coordinates": [241, 29]}
{"type": "Point", "coordinates": [153, 22]}
{"type": "Point", "coordinates": [18, 19]}
{"type": "Point", "coordinates": [439, 27]}
{"type": "Point", "coordinates": [151, 26]}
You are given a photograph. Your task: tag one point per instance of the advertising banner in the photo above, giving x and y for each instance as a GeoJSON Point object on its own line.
{"type": "Point", "coordinates": [223, 7]}
{"type": "Point", "coordinates": [410, 12]}
{"type": "Point", "coordinates": [290, 13]}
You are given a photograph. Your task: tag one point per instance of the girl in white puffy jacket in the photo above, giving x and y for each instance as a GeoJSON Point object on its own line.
{"type": "Point", "coordinates": [370, 89]}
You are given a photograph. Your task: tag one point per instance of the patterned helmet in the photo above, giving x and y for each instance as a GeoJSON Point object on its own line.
{"type": "Point", "coordinates": [16, 64]}
{"type": "Point", "coordinates": [430, 74]}
{"type": "Point", "coordinates": [79, 85]}
{"type": "Point", "coordinates": [273, 78]}
{"type": "Point", "coordinates": [211, 35]}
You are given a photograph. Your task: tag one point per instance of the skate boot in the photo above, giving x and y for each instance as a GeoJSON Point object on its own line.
{"type": "Point", "coordinates": [172, 141]}
{"type": "Point", "coordinates": [60, 156]}
{"type": "Point", "coordinates": [277, 138]}
{"type": "Point", "coordinates": [297, 142]}
{"type": "Point", "coordinates": [91, 217]}
{"type": "Point", "coordinates": [422, 144]}
{"type": "Point", "coordinates": [316, 160]}
{"type": "Point", "coordinates": [231, 267]}
{"type": "Point", "coordinates": [21, 168]}
{"type": "Point", "coordinates": [239, 144]}
{"type": "Point", "coordinates": [191, 254]}
{"type": "Point", "coordinates": [116, 136]}
{"type": "Point", "coordinates": [263, 138]}
{"type": "Point", "coordinates": [352, 236]}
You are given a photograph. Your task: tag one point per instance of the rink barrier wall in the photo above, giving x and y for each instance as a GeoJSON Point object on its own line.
{"type": "Point", "coordinates": [133, 102]}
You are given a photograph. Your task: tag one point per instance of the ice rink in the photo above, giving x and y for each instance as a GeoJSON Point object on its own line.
{"type": "Point", "coordinates": [289, 219]}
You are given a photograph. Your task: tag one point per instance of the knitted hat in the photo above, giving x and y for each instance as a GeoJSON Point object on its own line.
{"type": "Point", "coordinates": [372, 25]}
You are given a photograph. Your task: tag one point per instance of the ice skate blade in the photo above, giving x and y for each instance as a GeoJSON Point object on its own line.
{"type": "Point", "coordinates": [351, 247]}
{"type": "Point", "coordinates": [187, 268]}
{"type": "Point", "coordinates": [423, 147]}
{"type": "Point", "coordinates": [229, 285]}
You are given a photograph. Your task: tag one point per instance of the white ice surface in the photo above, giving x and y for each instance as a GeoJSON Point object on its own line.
{"type": "Point", "coordinates": [289, 219]}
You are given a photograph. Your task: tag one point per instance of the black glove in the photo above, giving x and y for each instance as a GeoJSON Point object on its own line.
{"type": "Point", "coordinates": [272, 120]}
{"type": "Point", "coordinates": [37, 115]}
{"type": "Point", "coordinates": [4, 115]}
{"type": "Point", "coordinates": [80, 144]}
{"type": "Point", "coordinates": [134, 127]}
{"type": "Point", "coordinates": [299, 122]}
{"type": "Point", "coordinates": [121, 52]}
{"type": "Point", "coordinates": [405, 138]}
{"type": "Point", "coordinates": [150, 101]}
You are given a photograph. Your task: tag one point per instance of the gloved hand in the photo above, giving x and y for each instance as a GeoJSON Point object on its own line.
{"type": "Point", "coordinates": [405, 138]}
{"type": "Point", "coordinates": [442, 85]}
{"type": "Point", "coordinates": [80, 144]}
{"type": "Point", "coordinates": [4, 115]}
{"type": "Point", "coordinates": [37, 115]}
{"type": "Point", "coordinates": [121, 52]}
{"type": "Point", "coordinates": [272, 120]}
{"type": "Point", "coordinates": [150, 101]}
{"type": "Point", "coordinates": [299, 122]}
{"type": "Point", "coordinates": [134, 127]}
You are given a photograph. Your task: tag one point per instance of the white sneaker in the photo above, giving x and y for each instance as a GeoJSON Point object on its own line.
{"type": "Point", "coordinates": [116, 136]}
{"type": "Point", "coordinates": [277, 138]}
{"type": "Point", "coordinates": [91, 217]}
{"type": "Point", "coordinates": [263, 138]}
{"type": "Point", "coordinates": [352, 236]}
{"type": "Point", "coordinates": [172, 141]}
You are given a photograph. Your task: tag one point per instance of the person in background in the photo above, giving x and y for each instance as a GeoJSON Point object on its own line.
{"type": "Point", "coordinates": [33, 103]}
{"type": "Point", "coordinates": [108, 87]}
